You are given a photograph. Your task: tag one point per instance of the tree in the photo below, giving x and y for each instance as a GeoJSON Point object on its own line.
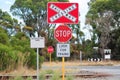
{"type": "Point", "coordinates": [25, 55]}
{"type": "Point", "coordinates": [77, 40]}
{"type": "Point", "coordinates": [114, 44]}
{"type": "Point", "coordinates": [33, 13]}
{"type": "Point", "coordinates": [8, 23]}
{"type": "Point", "coordinates": [3, 37]}
{"type": "Point", "coordinates": [102, 17]}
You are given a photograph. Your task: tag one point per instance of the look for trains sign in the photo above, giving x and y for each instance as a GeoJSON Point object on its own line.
{"type": "Point", "coordinates": [62, 12]}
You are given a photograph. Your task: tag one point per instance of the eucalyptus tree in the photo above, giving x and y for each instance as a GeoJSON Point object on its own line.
{"type": "Point", "coordinates": [33, 13]}
{"type": "Point", "coordinates": [102, 17]}
{"type": "Point", "coordinates": [76, 40]}
{"type": "Point", "coordinates": [78, 33]}
{"type": "Point", "coordinates": [8, 23]}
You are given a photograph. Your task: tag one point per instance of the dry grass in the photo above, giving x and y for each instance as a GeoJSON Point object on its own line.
{"type": "Point", "coordinates": [84, 63]}
{"type": "Point", "coordinates": [19, 71]}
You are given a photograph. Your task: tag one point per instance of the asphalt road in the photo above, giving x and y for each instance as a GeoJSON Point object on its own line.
{"type": "Point", "coordinates": [114, 71]}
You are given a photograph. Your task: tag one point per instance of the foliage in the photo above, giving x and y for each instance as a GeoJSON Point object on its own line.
{"type": "Point", "coordinates": [69, 77]}
{"type": "Point", "coordinates": [33, 13]}
{"type": "Point", "coordinates": [3, 37]}
{"type": "Point", "coordinates": [16, 51]}
{"type": "Point", "coordinates": [20, 42]}
{"type": "Point", "coordinates": [18, 78]}
{"type": "Point", "coordinates": [102, 17]}
{"type": "Point", "coordinates": [49, 71]}
{"type": "Point", "coordinates": [42, 76]}
{"type": "Point", "coordinates": [79, 34]}
{"type": "Point", "coordinates": [6, 57]}
{"type": "Point", "coordinates": [56, 76]}
{"type": "Point", "coordinates": [114, 44]}
{"type": "Point", "coordinates": [29, 78]}
{"type": "Point", "coordinates": [8, 23]}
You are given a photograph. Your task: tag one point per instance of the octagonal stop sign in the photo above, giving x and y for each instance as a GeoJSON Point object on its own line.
{"type": "Point", "coordinates": [62, 33]}
{"type": "Point", "coordinates": [50, 49]}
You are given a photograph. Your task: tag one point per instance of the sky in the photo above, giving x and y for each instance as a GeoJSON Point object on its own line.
{"type": "Point", "coordinates": [5, 4]}
{"type": "Point", "coordinates": [83, 8]}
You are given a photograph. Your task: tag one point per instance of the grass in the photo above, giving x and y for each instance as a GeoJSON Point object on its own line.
{"type": "Point", "coordinates": [83, 63]}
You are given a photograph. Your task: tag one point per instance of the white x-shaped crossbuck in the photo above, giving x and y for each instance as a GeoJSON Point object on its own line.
{"type": "Point", "coordinates": [64, 13]}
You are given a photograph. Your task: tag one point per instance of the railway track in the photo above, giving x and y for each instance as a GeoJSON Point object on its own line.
{"type": "Point", "coordinates": [7, 77]}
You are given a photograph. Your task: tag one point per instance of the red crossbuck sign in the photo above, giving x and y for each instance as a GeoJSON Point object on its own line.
{"type": "Point", "coordinates": [62, 12]}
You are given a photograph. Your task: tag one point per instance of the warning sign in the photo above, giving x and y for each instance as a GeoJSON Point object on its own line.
{"type": "Point", "coordinates": [63, 33]}
{"type": "Point", "coordinates": [37, 42]}
{"type": "Point", "coordinates": [63, 50]}
{"type": "Point", "coordinates": [62, 12]}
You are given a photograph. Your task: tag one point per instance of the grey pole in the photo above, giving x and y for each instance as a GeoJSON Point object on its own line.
{"type": "Point", "coordinates": [37, 63]}
{"type": "Point", "coordinates": [80, 56]}
{"type": "Point", "coordinates": [37, 56]}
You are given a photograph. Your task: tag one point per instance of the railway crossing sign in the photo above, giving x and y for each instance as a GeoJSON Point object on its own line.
{"type": "Point", "coordinates": [63, 33]}
{"type": "Point", "coordinates": [62, 12]}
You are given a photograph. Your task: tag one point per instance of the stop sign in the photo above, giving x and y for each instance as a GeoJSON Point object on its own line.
{"type": "Point", "coordinates": [62, 33]}
{"type": "Point", "coordinates": [50, 49]}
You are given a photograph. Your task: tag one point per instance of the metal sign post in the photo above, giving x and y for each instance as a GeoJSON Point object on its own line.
{"type": "Point", "coordinates": [37, 63]}
{"type": "Point", "coordinates": [50, 59]}
{"type": "Point", "coordinates": [80, 56]}
{"type": "Point", "coordinates": [63, 68]}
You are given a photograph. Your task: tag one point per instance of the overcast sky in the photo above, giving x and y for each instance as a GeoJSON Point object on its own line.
{"type": "Point", "coordinates": [83, 8]}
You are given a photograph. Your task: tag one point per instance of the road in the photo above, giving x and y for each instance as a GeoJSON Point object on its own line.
{"type": "Point", "coordinates": [114, 71]}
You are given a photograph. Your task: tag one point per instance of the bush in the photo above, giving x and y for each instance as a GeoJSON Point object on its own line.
{"type": "Point", "coordinates": [18, 53]}
{"type": "Point", "coordinates": [7, 57]}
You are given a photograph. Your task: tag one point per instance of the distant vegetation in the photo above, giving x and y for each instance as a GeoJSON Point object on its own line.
{"type": "Point", "coordinates": [103, 16]}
